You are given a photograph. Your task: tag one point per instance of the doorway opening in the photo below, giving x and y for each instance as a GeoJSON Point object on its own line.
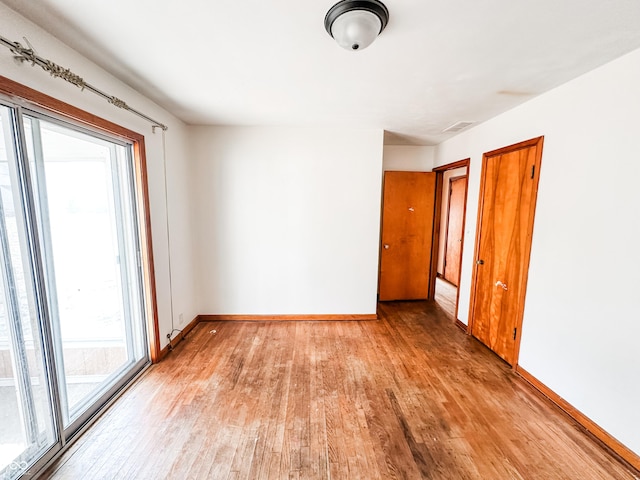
{"type": "Point", "coordinates": [451, 201]}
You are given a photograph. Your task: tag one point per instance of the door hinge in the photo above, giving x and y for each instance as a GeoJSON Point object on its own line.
{"type": "Point", "coordinates": [515, 330]}
{"type": "Point", "coordinates": [533, 170]}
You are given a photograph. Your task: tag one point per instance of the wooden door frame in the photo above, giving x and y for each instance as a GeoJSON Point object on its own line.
{"type": "Point", "coordinates": [446, 230]}
{"type": "Point", "coordinates": [78, 116]}
{"type": "Point", "coordinates": [436, 229]}
{"type": "Point", "coordinates": [534, 142]}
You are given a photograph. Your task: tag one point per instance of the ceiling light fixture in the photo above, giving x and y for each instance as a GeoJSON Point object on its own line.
{"type": "Point", "coordinates": [355, 24]}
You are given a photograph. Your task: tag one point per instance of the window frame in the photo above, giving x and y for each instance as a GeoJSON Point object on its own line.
{"type": "Point", "coordinates": [51, 106]}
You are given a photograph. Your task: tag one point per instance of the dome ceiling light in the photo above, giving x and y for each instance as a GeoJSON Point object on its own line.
{"type": "Point", "coordinates": [355, 24]}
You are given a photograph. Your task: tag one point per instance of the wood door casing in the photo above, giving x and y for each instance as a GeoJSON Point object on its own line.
{"type": "Point", "coordinates": [453, 241]}
{"type": "Point", "coordinates": [437, 245]}
{"type": "Point", "coordinates": [503, 245]}
{"type": "Point", "coordinates": [407, 234]}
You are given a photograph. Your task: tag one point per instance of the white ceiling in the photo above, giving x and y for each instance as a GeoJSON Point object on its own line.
{"type": "Point", "coordinates": [271, 63]}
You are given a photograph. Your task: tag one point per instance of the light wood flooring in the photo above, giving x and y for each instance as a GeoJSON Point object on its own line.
{"type": "Point", "coordinates": [445, 296]}
{"type": "Point", "coordinates": [406, 397]}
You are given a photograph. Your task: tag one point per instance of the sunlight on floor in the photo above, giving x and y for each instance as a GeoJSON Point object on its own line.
{"type": "Point", "coordinates": [445, 296]}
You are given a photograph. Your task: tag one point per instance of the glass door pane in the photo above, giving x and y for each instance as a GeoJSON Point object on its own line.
{"type": "Point", "coordinates": [26, 413]}
{"type": "Point", "coordinates": [83, 187]}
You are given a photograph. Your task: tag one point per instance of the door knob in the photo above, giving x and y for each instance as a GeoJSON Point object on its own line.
{"type": "Point", "coordinates": [479, 262]}
{"type": "Point", "coordinates": [386, 246]}
{"type": "Point", "coordinates": [500, 284]}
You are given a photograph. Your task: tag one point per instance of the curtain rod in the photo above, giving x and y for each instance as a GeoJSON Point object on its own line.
{"type": "Point", "coordinates": [23, 54]}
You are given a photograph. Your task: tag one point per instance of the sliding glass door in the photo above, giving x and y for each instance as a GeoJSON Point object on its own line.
{"type": "Point", "coordinates": [27, 409]}
{"type": "Point", "coordinates": [82, 190]}
{"type": "Point", "coordinates": [72, 316]}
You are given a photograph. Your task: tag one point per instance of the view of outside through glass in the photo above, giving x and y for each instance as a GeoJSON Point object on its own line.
{"type": "Point", "coordinates": [25, 415]}
{"type": "Point", "coordinates": [82, 191]}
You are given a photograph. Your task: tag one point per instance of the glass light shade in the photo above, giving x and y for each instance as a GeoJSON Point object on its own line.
{"type": "Point", "coordinates": [356, 29]}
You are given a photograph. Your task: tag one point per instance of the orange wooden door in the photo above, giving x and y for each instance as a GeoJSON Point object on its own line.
{"type": "Point", "coordinates": [407, 235]}
{"type": "Point", "coordinates": [505, 225]}
{"type": "Point", "coordinates": [455, 216]}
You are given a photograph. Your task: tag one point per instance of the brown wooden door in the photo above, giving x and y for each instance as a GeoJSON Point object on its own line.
{"type": "Point", "coordinates": [407, 235]}
{"type": "Point", "coordinates": [455, 216]}
{"type": "Point", "coordinates": [505, 225]}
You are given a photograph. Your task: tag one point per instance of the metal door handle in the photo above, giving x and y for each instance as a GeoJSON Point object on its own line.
{"type": "Point", "coordinates": [386, 246]}
{"type": "Point", "coordinates": [500, 284]}
{"type": "Point", "coordinates": [479, 262]}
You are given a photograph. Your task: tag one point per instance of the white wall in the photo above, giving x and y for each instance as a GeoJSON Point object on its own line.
{"type": "Point", "coordinates": [408, 158]}
{"type": "Point", "coordinates": [14, 27]}
{"type": "Point", "coordinates": [288, 219]}
{"type": "Point", "coordinates": [581, 322]}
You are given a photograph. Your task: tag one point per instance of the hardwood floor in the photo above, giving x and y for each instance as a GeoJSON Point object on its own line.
{"type": "Point", "coordinates": [406, 397]}
{"type": "Point", "coordinates": [445, 296]}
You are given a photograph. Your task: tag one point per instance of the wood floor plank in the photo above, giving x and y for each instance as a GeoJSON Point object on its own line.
{"type": "Point", "coordinates": [445, 296]}
{"type": "Point", "coordinates": [406, 397]}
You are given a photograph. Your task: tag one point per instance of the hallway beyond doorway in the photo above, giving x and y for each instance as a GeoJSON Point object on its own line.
{"type": "Point", "coordinates": [446, 294]}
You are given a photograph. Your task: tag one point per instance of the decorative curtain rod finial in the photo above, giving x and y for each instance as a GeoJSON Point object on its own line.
{"type": "Point", "coordinates": [22, 55]}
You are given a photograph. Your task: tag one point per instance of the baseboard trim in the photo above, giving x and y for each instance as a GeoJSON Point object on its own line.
{"type": "Point", "coordinates": [461, 326]}
{"type": "Point", "coordinates": [285, 318]}
{"type": "Point", "coordinates": [165, 350]}
{"type": "Point", "coordinates": [618, 448]}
